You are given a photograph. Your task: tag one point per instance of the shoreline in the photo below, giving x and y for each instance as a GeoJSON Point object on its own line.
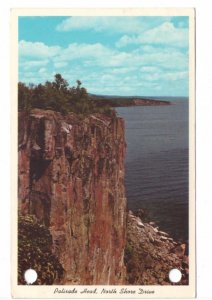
{"type": "Point", "coordinates": [151, 253]}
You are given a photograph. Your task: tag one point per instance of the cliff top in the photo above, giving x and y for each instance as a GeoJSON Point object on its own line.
{"type": "Point", "coordinates": [71, 117]}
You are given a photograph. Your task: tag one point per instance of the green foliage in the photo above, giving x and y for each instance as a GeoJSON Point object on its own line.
{"type": "Point", "coordinates": [134, 262]}
{"type": "Point", "coordinates": [24, 97]}
{"type": "Point", "coordinates": [113, 102]}
{"type": "Point", "coordinates": [128, 252]}
{"type": "Point", "coordinates": [58, 96]}
{"type": "Point", "coordinates": [35, 251]}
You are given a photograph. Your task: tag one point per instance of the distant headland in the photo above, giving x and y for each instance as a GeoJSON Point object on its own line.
{"type": "Point", "coordinates": [121, 101]}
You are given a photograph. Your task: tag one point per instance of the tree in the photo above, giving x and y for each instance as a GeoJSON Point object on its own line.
{"type": "Point", "coordinates": [60, 83]}
{"type": "Point", "coordinates": [79, 83]}
{"type": "Point", "coordinates": [24, 97]}
{"type": "Point", "coordinates": [58, 96]}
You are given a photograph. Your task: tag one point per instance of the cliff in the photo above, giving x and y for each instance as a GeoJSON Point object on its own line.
{"type": "Point", "coordinates": [71, 178]}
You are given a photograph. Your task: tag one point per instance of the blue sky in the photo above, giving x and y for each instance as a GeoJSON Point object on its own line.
{"type": "Point", "coordinates": [111, 55]}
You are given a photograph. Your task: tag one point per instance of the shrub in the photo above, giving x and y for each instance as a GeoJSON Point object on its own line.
{"type": "Point", "coordinates": [35, 252]}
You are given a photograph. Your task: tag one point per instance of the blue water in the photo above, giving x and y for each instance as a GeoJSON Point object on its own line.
{"type": "Point", "coordinates": [157, 164]}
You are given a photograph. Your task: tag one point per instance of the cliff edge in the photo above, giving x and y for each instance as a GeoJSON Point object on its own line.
{"type": "Point", "coordinates": [71, 178]}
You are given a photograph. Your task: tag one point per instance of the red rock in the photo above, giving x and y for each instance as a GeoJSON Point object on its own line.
{"type": "Point", "coordinates": [179, 250]}
{"type": "Point", "coordinates": [73, 181]}
{"type": "Point", "coordinates": [185, 260]}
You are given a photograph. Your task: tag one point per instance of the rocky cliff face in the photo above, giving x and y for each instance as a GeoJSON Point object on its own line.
{"type": "Point", "coordinates": [71, 177]}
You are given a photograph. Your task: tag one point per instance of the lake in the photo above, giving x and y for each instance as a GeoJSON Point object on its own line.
{"type": "Point", "coordinates": [156, 164]}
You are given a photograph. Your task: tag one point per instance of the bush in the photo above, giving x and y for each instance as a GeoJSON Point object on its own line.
{"type": "Point", "coordinates": [35, 252]}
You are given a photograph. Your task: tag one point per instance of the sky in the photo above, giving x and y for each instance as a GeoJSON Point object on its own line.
{"type": "Point", "coordinates": [129, 56]}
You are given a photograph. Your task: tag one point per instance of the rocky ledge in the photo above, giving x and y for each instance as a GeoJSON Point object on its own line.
{"type": "Point", "coordinates": [150, 254]}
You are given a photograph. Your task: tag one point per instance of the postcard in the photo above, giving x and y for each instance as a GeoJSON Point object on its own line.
{"type": "Point", "coordinates": [103, 134]}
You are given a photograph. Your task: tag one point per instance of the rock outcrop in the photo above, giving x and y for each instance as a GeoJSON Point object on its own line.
{"type": "Point", "coordinates": [71, 177]}
{"type": "Point", "coordinates": [151, 254]}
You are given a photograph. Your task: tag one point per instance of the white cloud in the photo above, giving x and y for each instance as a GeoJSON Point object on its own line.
{"type": "Point", "coordinates": [123, 70]}
{"type": "Point", "coordinates": [98, 55]}
{"type": "Point", "coordinates": [105, 70]}
{"type": "Point", "coordinates": [149, 69]}
{"type": "Point", "coordinates": [167, 58]}
{"type": "Point", "coordinates": [164, 34]}
{"type": "Point", "coordinates": [126, 40]}
{"type": "Point", "coordinates": [177, 76]}
{"type": "Point", "coordinates": [167, 76]}
{"type": "Point", "coordinates": [99, 24]}
{"type": "Point", "coordinates": [31, 64]}
{"type": "Point", "coordinates": [42, 70]}
{"type": "Point", "coordinates": [61, 64]}
{"type": "Point", "coordinates": [148, 48]}
{"type": "Point", "coordinates": [94, 55]}
{"type": "Point", "coordinates": [75, 51]}
{"type": "Point", "coordinates": [37, 49]}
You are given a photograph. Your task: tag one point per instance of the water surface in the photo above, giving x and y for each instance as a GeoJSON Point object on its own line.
{"type": "Point", "coordinates": [157, 163]}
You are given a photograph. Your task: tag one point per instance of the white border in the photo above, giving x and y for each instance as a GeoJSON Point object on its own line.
{"type": "Point", "coordinates": [19, 291]}
{"type": "Point", "coordinates": [204, 125]}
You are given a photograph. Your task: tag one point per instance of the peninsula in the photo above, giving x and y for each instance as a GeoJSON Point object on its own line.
{"type": "Point", "coordinates": [119, 101]}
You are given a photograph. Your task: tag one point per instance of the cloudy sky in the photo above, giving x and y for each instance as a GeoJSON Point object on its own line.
{"type": "Point", "coordinates": [111, 55]}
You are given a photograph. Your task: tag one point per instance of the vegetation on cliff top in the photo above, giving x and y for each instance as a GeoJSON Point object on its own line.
{"type": "Point", "coordinates": [59, 96]}
{"type": "Point", "coordinates": [35, 252]}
